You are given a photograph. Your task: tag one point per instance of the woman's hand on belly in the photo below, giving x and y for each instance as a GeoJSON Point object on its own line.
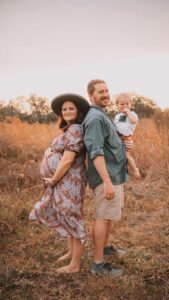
{"type": "Point", "coordinates": [49, 181]}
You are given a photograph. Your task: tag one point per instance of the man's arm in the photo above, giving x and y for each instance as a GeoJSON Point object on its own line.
{"type": "Point", "coordinates": [94, 138]}
{"type": "Point", "coordinates": [100, 165]}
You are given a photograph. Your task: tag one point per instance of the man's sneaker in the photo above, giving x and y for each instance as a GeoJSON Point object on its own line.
{"type": "Point", "coordinates": [111, 250]}
{"type": "Point", "coordinates": [105, 269]}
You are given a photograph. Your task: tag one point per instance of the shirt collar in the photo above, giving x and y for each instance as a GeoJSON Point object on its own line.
{"type": "Point", "coordinates": [98, 108]}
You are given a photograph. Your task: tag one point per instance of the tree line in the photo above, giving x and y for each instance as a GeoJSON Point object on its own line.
{"type": "Point", "coordinates": [31, 110]}
{"type": "Point", "coordinates": [38, 109]}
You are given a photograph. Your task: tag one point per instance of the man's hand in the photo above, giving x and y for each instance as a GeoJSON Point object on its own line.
{"type": "Point", "coordinates": [109, 191]}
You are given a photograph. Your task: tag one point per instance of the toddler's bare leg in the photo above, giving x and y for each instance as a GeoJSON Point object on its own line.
{"type": "Point", "coordinates": [132, 165]}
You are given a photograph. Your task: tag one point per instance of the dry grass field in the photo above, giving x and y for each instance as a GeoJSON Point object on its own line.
{"type": "Point", "coordinates": [29, 251]}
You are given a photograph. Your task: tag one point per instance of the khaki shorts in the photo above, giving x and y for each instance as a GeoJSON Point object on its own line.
{"type": "Point", "coordinates": [108, 209]}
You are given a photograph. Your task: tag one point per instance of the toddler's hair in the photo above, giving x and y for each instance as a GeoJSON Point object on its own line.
{"type": "Point", "coordinates": [123, 96]}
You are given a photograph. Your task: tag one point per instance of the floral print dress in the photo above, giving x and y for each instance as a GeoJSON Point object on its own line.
{"type": "Point", "coordinates": [61, 206]}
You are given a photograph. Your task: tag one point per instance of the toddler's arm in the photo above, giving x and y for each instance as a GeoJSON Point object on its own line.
{"type": "Point", "coordinates": [132, 117]}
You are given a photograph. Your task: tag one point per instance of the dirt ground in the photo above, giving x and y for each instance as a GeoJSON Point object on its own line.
{"type": "Point", "coordinates": [29, 251]}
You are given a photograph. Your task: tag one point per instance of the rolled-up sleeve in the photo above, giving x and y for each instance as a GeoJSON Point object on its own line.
{"type": "Point", "coordinates": [94, 138]}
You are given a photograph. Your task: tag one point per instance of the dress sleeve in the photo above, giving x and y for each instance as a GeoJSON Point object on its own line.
{"type": "Point", "coordinates": [74, 138]}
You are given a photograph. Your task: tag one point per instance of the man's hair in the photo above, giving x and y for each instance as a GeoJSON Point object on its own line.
{"type": "Point", "coordinates": [91, 85]}
{"type": "Point", "coordinates": [123, 96]}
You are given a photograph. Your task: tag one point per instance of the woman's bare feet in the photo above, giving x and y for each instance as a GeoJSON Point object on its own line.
{"type": "Point", "coordinates": [68, 269]}
{"type": "Point", "coordinates": [64, 257]}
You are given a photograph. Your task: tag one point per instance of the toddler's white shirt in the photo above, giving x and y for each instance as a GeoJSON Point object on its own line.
{"type": "Point", "coordinates": [124, 125]}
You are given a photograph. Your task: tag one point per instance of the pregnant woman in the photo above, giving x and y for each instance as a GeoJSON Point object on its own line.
{"type": "Point", "coordinates": [64, 175]}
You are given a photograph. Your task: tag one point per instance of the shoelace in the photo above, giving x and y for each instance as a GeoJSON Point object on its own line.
{"type": "Point", "coordinates": [107, 266]}
{"type": "Point", "coordinates": [112, 248]}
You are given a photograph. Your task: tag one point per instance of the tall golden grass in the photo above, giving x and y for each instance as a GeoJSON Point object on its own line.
{"type": "Point", "coordinates": [25, 136]}
{"type": "Point", "coordinates": [29, 251]}
{"type": "Point", "coordinates": [151, 151]}
{"type": "Point", "coordinates": [30, 140]}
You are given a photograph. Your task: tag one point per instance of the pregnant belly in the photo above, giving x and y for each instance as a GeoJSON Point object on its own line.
{"type": "Point", "coordinates": [49, 163]}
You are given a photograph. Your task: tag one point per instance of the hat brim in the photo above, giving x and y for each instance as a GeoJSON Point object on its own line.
{"type": "Point", "coordinates": [78, 100]}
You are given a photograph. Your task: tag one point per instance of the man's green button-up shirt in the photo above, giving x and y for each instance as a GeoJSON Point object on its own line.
{"type": "Point", "coordinates": [101, 139]}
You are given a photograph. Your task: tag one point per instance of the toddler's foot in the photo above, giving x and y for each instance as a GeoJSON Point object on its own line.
{"type": "Point", "coordinates": [64, 257]}
{"type": "Point", "coordinates": [137, 174]}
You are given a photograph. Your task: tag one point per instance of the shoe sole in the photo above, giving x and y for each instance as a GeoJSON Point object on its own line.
{"type": "Point", "coordinates": [117, 252]}
{"type": "Point", "coordinates": [120, 273]}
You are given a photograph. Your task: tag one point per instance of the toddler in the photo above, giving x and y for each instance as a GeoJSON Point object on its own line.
{"type": "Point", "coordinates": [126, 122]}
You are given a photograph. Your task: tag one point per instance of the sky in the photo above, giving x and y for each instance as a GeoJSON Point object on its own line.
{"type": "Point", "coordinates": [50, 47]}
